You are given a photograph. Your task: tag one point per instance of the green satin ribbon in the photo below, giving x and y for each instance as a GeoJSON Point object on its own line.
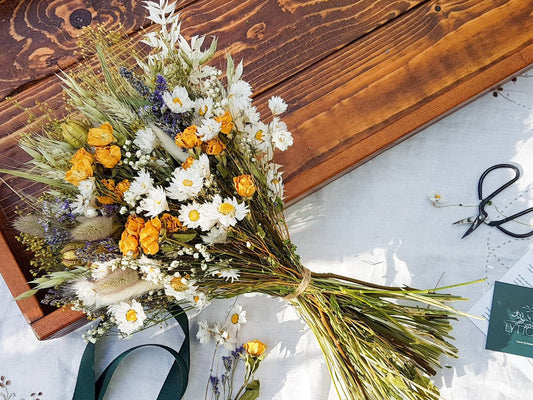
{"type": "Point", "coordinates": [90, 388]}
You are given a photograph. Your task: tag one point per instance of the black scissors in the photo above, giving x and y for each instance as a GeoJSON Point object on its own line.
{"type": "Point", "coordinates": [483, 217]}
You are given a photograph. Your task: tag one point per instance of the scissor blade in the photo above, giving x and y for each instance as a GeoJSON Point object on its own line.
{"type": "Point", "coordinates": [468, 220]}
{"type": "Point", "coordinates": [478, 221]}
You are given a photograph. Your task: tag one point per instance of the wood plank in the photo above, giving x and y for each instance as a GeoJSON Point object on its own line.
{"type": "Point", "coordinates": [58, 323]}
{"type": "Point", "coordinates": [275, 39]}
{"type": "Point", "coordinates": [16, 281]}
{"type": "Point", "coordinates": [39, 38]}
{"type": "Point", "coordinates": [395, 81]}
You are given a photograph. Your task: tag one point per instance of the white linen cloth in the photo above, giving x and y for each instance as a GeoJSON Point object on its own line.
{"type": "Point", "coordinates": [374, 223]}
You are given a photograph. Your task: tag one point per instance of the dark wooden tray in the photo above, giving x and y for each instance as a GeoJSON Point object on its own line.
{"type": "Point", "coordinates": [359, 76]}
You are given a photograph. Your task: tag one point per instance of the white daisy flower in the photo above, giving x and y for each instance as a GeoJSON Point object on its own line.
{"type": "Point", "coordinates": [83, 206]}
{"type": "Point", "coordinates": [209, 129]}
{"type": "Point", "coordinates": [129, 317]}
{"type": "Point", "coordinates": [239, 97]}
{"type": "Point", "coordinates": [258, 135]}
{"type": "Point", "coordinates": [237, 316]}
{"type": "Point", "coordinates": [204, 333]}
{"type": "Point", "coordinates": [155, 202]}
{"type": "Point", "coordinates": [85, 292]}
{"type": "Point", "coordinates": [178, 286]}
{"type": "Point", "coordinates": [204, 107]}
{"type": "Point", "coordinates": [185, 184]}
{"type": "Point", "coordinates": [251, 115]}
{"type": "Point", "coordinates": [277, 105]}
{"type": "Point", "coordinates": [85, 202]}
{"type": "Point", "coordinates": [281, 137]}
{"type": "Point", "coordinates": [141, 185]}
{"type": "Point", "coordinates": [145, 140]}
{"type": "Point", "coordinates": [86, 188]}
{"type": "Point", "coordinates": [178, 101]}
{"type": "Point", "coordinates": [100, 269]}
{"type": "Point", "coordinates": [200, 300]}
{"type": "Point", "coordinates": [195, 215]}
{"type": "Point", "coordinates": [202, 166]}
{"type": "Point", "coordinates": [216, 235]}
{"type": "Point", "coordinates": [228, 211]}
{"type": "Point", "coordinates": [274, 180]}
{"type": "Point", "coordinates": [438, 200]}
{"type": "Point", "coordinates": [222, 336]}
{"type": "Point", "coordinates": [228, 274]}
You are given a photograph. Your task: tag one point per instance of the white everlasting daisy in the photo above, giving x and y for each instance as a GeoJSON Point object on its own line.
{"type": "Point", "coordinates": [258, 135]}
{"type": "Point", "coordinates": [209, 129]}
{"type": "Point", "coordinates": [277, 105]}
{"type": "Point", "coordinates": [86, 188]}
{"type": "Point", "coordinates": [100, 269]}
{"type": "Point", "coordinates": [83, 206]}
{"type": "Point", "coordinates": [225, 272]}
{"type": "Point", "coordinates": [230, 274]}
{"type": "Point", "coordinates": [185, 184]}
{"type": "Point", "coordinates": [237, 316]}
{"type": "Point", "coordinates": [85, 292]}
{"type": "Point", "coordinates": [195, 215]}
{"type": "Point", "coordinates": [202, 166]}
{"type": "Point", "coordinates": [204, 334]}
{"type": "Point", "coordinates": [223, 337]}
{"type": "Point", "coordinates": [85, 202]}
{"type": "Point", "coordinates": [155, 202]}
{"type": "Point", "coordinates": [178, 101]}
{"type": "Point", "coordinates": [227, 211]}
{"type": "Point", "coordinates": [281, 137]}
{"type": "Point", "coordinates": [239, 97]}
{"type": "Point", "coordinates": [178, 286]}
{"type": "Point", "coordinates": [274, 180]}
{"type": "Point", "coordinates": [251, 115]}
{"type": "Point", "coordinates": [145, 140]}
{"type": "Point", "coordinates": [129, 317]}
{"type": "Point", "coordinates": [200, 300]}
{"type": "Point", "coordinates": [140, 186]}
{"type": "Point", "coordinates": [217, 234]}
{"type": "Point", "coordinates": [204, 107]}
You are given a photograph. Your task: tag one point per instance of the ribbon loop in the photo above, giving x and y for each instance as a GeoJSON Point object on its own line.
{"type": "Point", "coordinates": [88, 388]}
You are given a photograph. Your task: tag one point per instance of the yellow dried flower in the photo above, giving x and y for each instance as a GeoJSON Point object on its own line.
{"type": "Point", "coordinates": [188, 138]}
{"type": "Point", "coordinates": [108, 156]}
{"type": "Point", "coordinates": [255, 348]}
{"type": "Point", "coordinates": [129, 244]}
{"type": "Point", "coordinates": [214, 147]}
{"type": "Point", "coordinates": [244, 185]}
{"type": "Point", "coordinates": [172, 224]}
{"type": "Point", "coordinates": [101, 136]}
{"type": "Point", "coordinates": [149, 236]}
{"type": "Point", "coordinates": [227, 123]}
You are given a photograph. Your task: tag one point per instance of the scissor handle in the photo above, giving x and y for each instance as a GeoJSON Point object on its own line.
{"type": "Point", "coordinates": [500, 222]}
{"type": "Point", "coordinates": [485, 200]}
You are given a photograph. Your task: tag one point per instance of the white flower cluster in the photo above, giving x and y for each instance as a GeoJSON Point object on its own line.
{"type": "Point", "coordinates": [223, 334]}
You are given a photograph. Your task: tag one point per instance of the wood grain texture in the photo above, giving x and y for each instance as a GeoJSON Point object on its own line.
{"type": "Point", "coordinates": [39, 36]}
{"type": "Point", "coordinates": [58, 323]}
{"type": "Point", "coordinates": [17, 282]}
{"type": "Point", "coordinates": [397, 80]}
